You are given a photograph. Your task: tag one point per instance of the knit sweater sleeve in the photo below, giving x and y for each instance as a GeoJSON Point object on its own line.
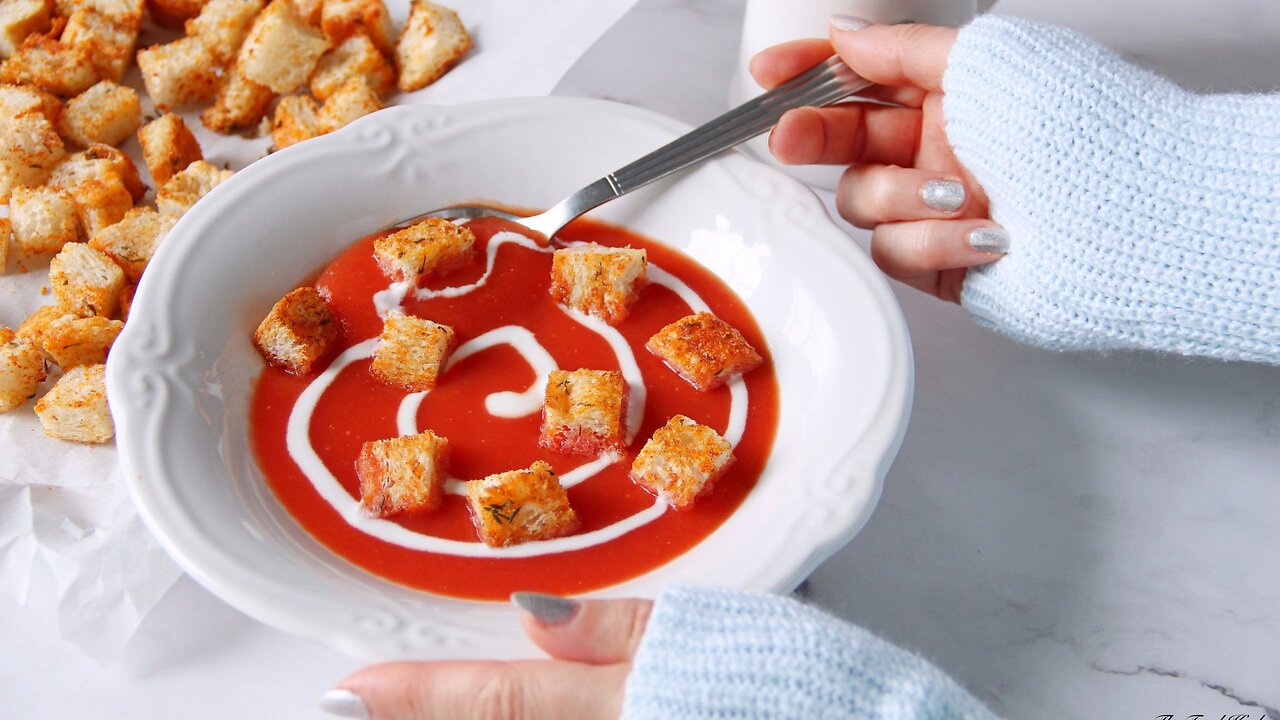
{"type": "Point", "coordinates": [709, 653]}
{"type": "Point", "coordinates": [1142, 216]}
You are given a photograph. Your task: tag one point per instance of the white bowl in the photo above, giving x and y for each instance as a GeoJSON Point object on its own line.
{"type": "Point", "coordinates": [181, 374]}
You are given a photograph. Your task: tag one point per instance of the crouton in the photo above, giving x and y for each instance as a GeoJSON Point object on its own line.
{"type": "Point", "coordinates": [411, 352]}
{"type": "Point", "coordinates": [97, 162]}
{"type": "Point", "coordinates": [39, 322]}
{"type": "Point", "coordinates": [704, 350]}
{"type": "Point", "coordinates": [583, 412]}
{"type": "Point", "coordinates": [105, 113]}
{"type": "Point", "coordinates": [174, 13]}
{"type": "Point", "coordinates": [127, 13]}
{"type": "Point", "coordinates": [433, 41]}
{"type": "Point", "coordinates": [294, 121]}
{"type": "Point", "coordinates": [298, 332]}
{"type": "Point", "coordinates": [6, 231]}
{"type": "Point", "coordinates": [426, 249]}
{"type": "Point", "coordinates": [520, 506]}
{"type": "Point", "coordinates": [20, 18]}
{"type": "Point", "coordinates": [223, 25]}
{"type": "Point", "coordinates": [76, 407]}
{"type": "Point", "coordinates": [182, 190]}
{"type": "Point", "coordinates": [241, 103]}
{"type": "Point", "coordinates": [102, 203]}
{"type": "Point", "coordinates": [404, 474]}
{"type": "Point", "coordinates": [133, 241]}
{"type": "Point", "coordinates": [599, 281]}
{"type": "Point", "coordinates": [110, 44]}
{"type": "Point", "coordinates": [18, 100]}
{"type": "Point", "coordinates": [356, 57]}
{"type": "Point", "coordinates": [342, 19]}
{"type": "Point", "coordinates": [126, 301]}
{"type": "Point", "coordinates": [51, 65]}
{"type": "Point", "coordinates": [30, 150]}
{"type": "Point", "coordinates": [168, 147]}
{"type": "Point", "coordinates": [85, 281]}
{"type": "Point", "coordinates": [72, 342]}
{"type": "Point", "coordinates": [178, 74]}
{"type": "Point", "coordinates": [681, 461]}
{"type": "Point", "coordinates": [352, 101]}
{"type": "Point", "coordinates": [21, 370]}
{"type": "Point", "coordinates": [281, 49]}
{"type": "Point", "coordinates": [44, 219]}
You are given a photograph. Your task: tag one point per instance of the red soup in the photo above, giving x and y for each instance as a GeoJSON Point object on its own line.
{"type": "Point", "coordinates": [308, 430]}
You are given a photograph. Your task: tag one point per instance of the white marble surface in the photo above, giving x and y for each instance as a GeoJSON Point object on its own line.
{"type": "Point", "coordinates": [1069, 536]}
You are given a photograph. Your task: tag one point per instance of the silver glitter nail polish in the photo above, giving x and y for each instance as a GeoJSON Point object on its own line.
{"type": "Point", "coordinates": [849, 23]}
{"type": "Point", "coordinates": [344, 703]}
{"type": "Point", "coordinates": [989, 239]}
{"type": "Point", "coordinates": [546, 609]}
{"type": "Point", "coordinates": [943, 195]}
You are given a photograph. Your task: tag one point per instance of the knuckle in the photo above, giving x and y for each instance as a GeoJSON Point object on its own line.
{"type": "Point", "coordinates": [498, 697]}
{"type": "Point", "coordinates": [929, 245]}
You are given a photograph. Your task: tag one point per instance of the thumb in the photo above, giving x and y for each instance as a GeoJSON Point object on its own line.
{"type": "Point", "coordinates": [898, 55]}
{"type": "Point", "coordinates": [589, 631]}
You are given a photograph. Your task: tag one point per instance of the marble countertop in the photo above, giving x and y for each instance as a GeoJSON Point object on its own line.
{"type": "Point", "coordinates": [1070, 536]}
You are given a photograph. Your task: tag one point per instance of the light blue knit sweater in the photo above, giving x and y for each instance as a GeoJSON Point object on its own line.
{"type": "Point", "coordinates": [1142, 217]}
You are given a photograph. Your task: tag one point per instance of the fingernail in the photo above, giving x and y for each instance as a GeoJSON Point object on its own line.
{"type": "Point", "coordinates": [989, 239]}
{"type": "Point", "coordinates": [849, 23]}
{"type": "Point", "coordinates": [344, 703]}
{"type": "Point", "coordinates": [546, 609]}
{"type": "Point", "coordinates": [943, 195]}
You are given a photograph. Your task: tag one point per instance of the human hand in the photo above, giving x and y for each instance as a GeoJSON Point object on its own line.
{"type": "Point", "coordinates": [592, 643]}
{"type": "Point", "coordinates": [929, 218]}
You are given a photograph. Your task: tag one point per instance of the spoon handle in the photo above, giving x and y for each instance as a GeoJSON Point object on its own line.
{"type": "Point", "coordinates": [824, 84]}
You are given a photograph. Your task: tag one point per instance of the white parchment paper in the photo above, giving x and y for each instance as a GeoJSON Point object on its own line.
{"type": "Point", "coordinates": [71, 543]}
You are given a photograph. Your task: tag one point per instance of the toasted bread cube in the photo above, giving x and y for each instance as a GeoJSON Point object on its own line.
{"type": "Point", "coordinates": [183, 190]}
{"type": "Point", "coordinates": [411, 352]}
{"type": "Point", "coordinates": [433, 41]}
{"type": "Point", "coordinates": [520, 506]}
{"type": "Point", "coordinates": [281, 49]}
{"type": "Point", "coordinates": [16, 100]}
{"type": "Point", "coordinates": [85, 281]}
{"type": "Point", "coordinates": [178, 74]}
{"type": "Point", "coordinates": [342, 19]}
{"type": "Point", "coordinates": [81, 341]}
{"type": "Point", "coordinates": [430, 248]}
{"type": "Point", "coordinates": [598, 280]}
{"type": "Point", "coordinates": [44, 219]}
{"type": "Point", "coordinates": [584, 412]}
{"type": "Point", "coordinates": [76, 407]}
{"type": "Point", "coordinates": [352, 101]}
{"type": "Point", "coordinates": [127, 13]}
{"type": "Point", "coordinates": [97, 162]}
{"type": "Point", "coordinates": [102, 203]}
{"type": "Point", "coordinates": [681, 461]}
{"type": "Point", "coordinates": [20, 18]}
{"type": "Point", "coordinates": [126, 301]}
{"type": "Point", "coordinates": [21, 369]}
{"type": "Point", "coordinates": [105, 113]}
{"type": "Point", "coordinates": [40, 321]}
{"type": "Point", "coordinates": [168, 147]}
{"type": "Point", "coordinates": [404, 474]}
{"type": "Point", "coordinates": [6, 231]}
{"type": "Point", "coordinates": [704, 350]}
{"type": "Point", "coordinates": [30, 150]}
{"type": "Point", "coordinates": [174, 13]}
{"type": "Point", "coordinates": [133, 241]}
{"type": "Point", "coordinates": [298, 332]}
{"type": "Point", "coordinates": [111, 44]}
{"type": "Point", "coordinates": [51, 65]}
{"type": "Point", "coordinates": [241, 103]}
{"type": "Point", "coordinates": [294, 121]}
{"type": "Point", "coordinates": [223, 25]}
{"type": "Point", "coordinates": [356, 57]}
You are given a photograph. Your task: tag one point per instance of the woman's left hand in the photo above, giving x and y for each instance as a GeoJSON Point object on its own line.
{"type": "Point", "coordinates": [591, 643]}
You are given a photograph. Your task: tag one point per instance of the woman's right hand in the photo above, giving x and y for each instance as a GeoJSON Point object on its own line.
{"type": "Point", "coordinates": [929, 217]}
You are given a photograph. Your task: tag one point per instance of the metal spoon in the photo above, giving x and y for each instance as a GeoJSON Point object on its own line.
{"type": "Point", "coordinates": [824, 84]}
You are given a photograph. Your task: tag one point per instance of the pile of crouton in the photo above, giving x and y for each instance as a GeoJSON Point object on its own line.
{"type": "Point", "coordinates": [584, 410]}
{"type": "Point", "coordinates": [73, 196]}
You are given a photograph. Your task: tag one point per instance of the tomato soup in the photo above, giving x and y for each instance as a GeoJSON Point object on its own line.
{"type": "Point", "coordinates": [308, 431]}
